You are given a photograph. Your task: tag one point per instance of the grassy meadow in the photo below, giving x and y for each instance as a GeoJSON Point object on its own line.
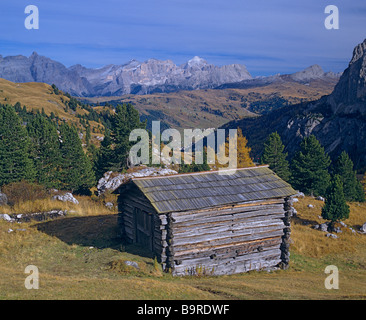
{"type": "Point", "coordinates": [81, 257]}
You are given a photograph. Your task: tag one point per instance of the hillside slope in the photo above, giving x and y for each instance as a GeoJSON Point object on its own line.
{"type": "Point", "coordinates": [212, 108]}
{"type": "Point", "coordinates": [38, 96]}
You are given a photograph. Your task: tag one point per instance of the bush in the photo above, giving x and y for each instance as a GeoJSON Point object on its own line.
{"type": "Point", "coordinates": [19, 192]}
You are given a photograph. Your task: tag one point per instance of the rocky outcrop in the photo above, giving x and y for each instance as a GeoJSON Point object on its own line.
{"type": "Point", "coordinates": [111, 180]}
{"type": "Point", "coordinates": [67, 197]}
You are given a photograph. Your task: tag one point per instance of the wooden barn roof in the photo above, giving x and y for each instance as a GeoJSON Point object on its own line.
{"type": "Point", "coordinates": [208, 189]}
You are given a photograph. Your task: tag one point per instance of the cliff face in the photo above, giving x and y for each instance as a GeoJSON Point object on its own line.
{"type": "Point", "coordinates": [338, 120]}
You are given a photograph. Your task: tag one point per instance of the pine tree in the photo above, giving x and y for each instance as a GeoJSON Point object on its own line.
{"type": "Point", "coordinates": [125, 119]}
{"type": "Point", "coordinates": [335, 207]}
{"type": "Point", "coordinates": [309, 168]}
{"type": "Point", "coordinates": [275, 156]}
{"type": "Point", "coordinates": [104, 156]}
{"type": "Point", "coordinates": [360, 192]}
{"type": "Point", "coordinates": [45, 151]}
{"type": "Point", "coordinates": [76, 168]}
{"type": "Point", "coordinates": [344, 168]}
{"type": "Point", "coordinates": [15, 163]}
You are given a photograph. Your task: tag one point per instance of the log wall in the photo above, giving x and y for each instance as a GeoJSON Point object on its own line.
{"type": "Point", "coordinates": [228, 240]}
{"type": "Point", "coordinates": [215, 241]}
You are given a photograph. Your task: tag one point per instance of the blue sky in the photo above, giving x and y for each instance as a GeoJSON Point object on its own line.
{"type": "Point", "coordinates": [268, 36]}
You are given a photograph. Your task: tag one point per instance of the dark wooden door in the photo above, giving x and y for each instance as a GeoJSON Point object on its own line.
{"type": "Point", "coordinates": [144, 228]}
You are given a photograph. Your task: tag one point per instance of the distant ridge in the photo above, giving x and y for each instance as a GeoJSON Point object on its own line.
{"type": "Point", "coordinates": [134, 77]}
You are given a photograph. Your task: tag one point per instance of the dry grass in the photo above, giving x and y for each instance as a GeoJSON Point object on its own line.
{"type": "Point", "coordinates": [313, 243]}
{"type": "Point", "coordinates": [86, 206]}
{"type": "Point", "coordinates": [80, 257]}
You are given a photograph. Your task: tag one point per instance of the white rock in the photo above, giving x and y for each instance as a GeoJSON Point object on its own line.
{"type": "Point", "coordinates": [107, 183]}
{"type": "Point", "coordinates": [310, 206]}
{"type": "Point", "coordinates": [320, 198]}
{"type": "Point", "coordinates": [295, 200]}
{"type": "Point", "coordinates": [10, 230]}
{"type": "Point", "coordinates": [67, 197]}
{"type": "Point", "coordinates": [6, 217]}
{"type": "Point", "coordinates": [363, 228]}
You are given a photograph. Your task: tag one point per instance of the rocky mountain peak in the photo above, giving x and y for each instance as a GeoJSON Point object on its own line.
{"type": "Point", "coordinates": [313, 72]}
{"type": "Point", "coordinates": [349, 95]}
{"type": "Point", "coordinates": [197, 61]}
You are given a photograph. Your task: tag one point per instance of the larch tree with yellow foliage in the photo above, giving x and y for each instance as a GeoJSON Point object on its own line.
{"type": "Point", "coordinates": [239, 149]}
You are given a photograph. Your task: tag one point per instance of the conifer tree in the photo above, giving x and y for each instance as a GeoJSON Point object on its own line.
{"type": "Point", "coordinates": [309, 168]}
{"type": "Point", "coordinates": [104, 156]}
{"type": "Point", "coordinates": [275, 156]}
{"type": "Point", "coordinates": [335, 207]}
{"type": "Point", "coordinates": [15, 163]}
{"type": "Point", "coordinates": [125, 119]}
{"type": "Point", "coordinates": [344, 168]}
{"type": "Point", "coordinates": [45, 151]}
{"type": "Point", "coordinates": [76, 168]}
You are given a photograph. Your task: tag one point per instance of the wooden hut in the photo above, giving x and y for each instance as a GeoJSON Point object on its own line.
{"type": "Point", "coordinates": [208, 222]}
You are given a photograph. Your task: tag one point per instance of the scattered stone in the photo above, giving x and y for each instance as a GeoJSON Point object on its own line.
{"type": "Point", "coordinates": [109, 205]}
{"type": "Point", "coordinates": [300, 195]}
{"type": "Point", "coordinates": [10, 230]}
{"type": "Point", "coordinates": [295, 200]}
{"type": "Point", "coordinates": [6, 217]}
{"type": "Point", "coordinates": [343, 224]}
{"type": "Point", "coordinates": [67, 197]}
{"type": "Point", "coordinates": [320, 217]}
{"type": "Point", "coordinates": [329, 235]}
{"type": "Point", "coordinates": [323, 227]}
{"type": "Point", "coordinates": [132, 264]}
{"type": "Point", "coordinates": [294, 212]}
{"type": "Point", "coordinates": [320, 198]}
{"type": "Point", "coordinates": [310, 206]}
{"type": "Point", "coordinates": [337, 230]}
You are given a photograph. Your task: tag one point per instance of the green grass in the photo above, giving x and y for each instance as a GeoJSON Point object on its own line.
{"type": "Point", "coordinates": [80, 257]}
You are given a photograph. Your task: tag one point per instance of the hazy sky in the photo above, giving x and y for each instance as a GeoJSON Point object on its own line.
{"type": "Point", "coordinates": [268, 36]}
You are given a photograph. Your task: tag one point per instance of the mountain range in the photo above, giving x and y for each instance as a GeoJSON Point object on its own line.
{"type": "Point", "coordinates": [338, 120]}
{"type": "Point", "coordinates": [134, 77]}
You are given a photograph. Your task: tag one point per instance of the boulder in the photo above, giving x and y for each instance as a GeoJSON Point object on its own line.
{"type": "Point", "coordinates": [363, 228]}
{"type": "Point", "coordinates": [67, 197]}
{"type": "Point", "coordinates": [6, 217]}
{"type": "Point", "coordinates": [323, 227]}
{"type": "Point", "coordinates": [132, 264]}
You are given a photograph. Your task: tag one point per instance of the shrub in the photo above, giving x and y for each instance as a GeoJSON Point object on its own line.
{"type": "Point", "coordinates": [19, 192]}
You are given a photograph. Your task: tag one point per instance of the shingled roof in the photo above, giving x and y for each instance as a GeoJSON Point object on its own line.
{"type": "Point", "coordinates": [209, 189]}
